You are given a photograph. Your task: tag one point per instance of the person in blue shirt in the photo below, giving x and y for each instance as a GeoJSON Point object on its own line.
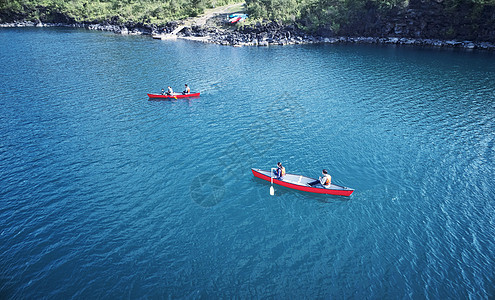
{"type": "Point", "coordinates": [280, 171]}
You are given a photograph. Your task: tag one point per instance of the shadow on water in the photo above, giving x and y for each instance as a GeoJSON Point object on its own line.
{"type": "Point", "coordinates": [283, 191]}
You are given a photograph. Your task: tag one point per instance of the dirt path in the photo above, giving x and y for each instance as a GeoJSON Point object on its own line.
{"type": "Point", "coordinates": [201, 21]}
{"type": "Point", "coordinates": [210, 13]}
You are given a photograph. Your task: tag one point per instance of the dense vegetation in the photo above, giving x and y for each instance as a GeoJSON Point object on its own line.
{"type": "Point", "coordinates": [461, 19]}
{"type": "Point", "coordinates": [119, 11]}
{"type": "Point", "coordinates": [337, 13]}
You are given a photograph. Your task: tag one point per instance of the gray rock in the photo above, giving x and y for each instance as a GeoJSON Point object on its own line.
{"type": "Point", "coordinates": [469, 45]}
{"type": "Point", "coordinates": [392, 40]}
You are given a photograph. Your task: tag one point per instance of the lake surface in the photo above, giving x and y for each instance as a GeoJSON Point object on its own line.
{"type": "Point", "coordinates": [106, 194]}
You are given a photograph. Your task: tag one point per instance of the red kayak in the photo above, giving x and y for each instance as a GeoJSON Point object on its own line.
{"type": "Point", "coordinates": [174, 96]}
{"type": "Point", "coordinates": [300, 183]}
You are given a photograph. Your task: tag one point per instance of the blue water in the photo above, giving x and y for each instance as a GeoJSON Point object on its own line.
{"type": "Point", "coordinates": [106, 194]}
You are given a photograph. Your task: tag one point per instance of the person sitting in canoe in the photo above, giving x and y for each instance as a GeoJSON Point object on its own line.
{"type": "Point", "coordinates": [170, 91]}
{"type": "Point", "coordinates": [326, 180]}
{"type": "Point", "coordinates": [163, 92]}
{"type": "Point", "coordinates": [186, 91]}
{"type": "Point", "coordinates": [280, 171]}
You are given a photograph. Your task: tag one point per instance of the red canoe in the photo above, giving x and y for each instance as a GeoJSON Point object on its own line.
{"type": "Point", "coordinates": [235, 20]}
{"type": "Point", "coordinates": [174, 96]}
{"type": "Point", "coordinates": [300, 183]}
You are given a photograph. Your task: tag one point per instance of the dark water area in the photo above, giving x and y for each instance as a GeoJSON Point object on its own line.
{"type": "Point", "coordinates": [106, 194]}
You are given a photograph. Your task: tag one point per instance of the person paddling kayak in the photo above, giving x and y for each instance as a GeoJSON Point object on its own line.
{"type": "Point", "coordinates": [326, 180]}
{"type": "Point", "coordinates": [280, 171]}
{"type": "Point", "coordinates": [187, 90]}
{"type": "Point", "coordinates": [170, 91]}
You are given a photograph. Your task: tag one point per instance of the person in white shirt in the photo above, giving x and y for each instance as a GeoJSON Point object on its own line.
{"type": "Point", "coordinates": [326, 180]}
{"type": "Point", "coordinates": [187, 90]}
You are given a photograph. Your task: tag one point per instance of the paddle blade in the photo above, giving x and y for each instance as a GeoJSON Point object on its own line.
{"type": "Point", "coordinates": [272, 191]}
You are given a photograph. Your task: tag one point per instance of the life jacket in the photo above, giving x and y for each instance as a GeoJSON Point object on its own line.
{"type": "Point", "coordinates": [328, 179]}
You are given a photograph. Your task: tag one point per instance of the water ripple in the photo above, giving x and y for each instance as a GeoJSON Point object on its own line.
{"type": "Point", "coordinates": [106, 194]}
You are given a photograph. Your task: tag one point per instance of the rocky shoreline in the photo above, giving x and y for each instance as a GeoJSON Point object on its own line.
{"type": "Point", "coordinates": [267, 34]}
{"type": "Point", "coordinates": [275, 34]}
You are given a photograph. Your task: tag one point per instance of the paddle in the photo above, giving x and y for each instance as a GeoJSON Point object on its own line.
{"type": "Point", "coordinates": [272, 190]}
